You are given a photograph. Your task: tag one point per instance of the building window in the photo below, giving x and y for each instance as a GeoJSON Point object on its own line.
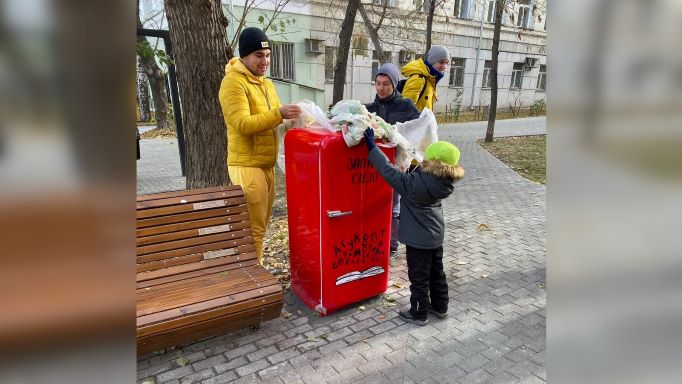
{"type": "Point", "coordinates": [422, 5]}
{"type": "Point", "coordinates": [329, 62]}
{"type": "Point", "coordinates": [542, 78]}
{"type": "Point", "coordinates": [491, 11]}
{"type": "Point", "coordinates": [517, 76]}
{"type": "Point", "coordinates": [457, 72]}
{"type": "Point", "coordinates": [487, 74]}
{"type": "Point", "coordinates": [376, 62]}
{"type": "Point", "coordinates": [524, 18]}
{"type": "Point", "coordinates": [282, 62]}
{"type": "Point", "coordinates": [388, 3]}
{"type": "Point", "coordinates": [462, 9]}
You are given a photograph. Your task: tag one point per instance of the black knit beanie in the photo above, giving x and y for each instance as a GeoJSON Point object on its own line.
{"type": "Point", "coordinates": [252, 39]}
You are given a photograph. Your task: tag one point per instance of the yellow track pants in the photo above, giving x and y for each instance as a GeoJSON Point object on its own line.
{"type": "Point", "coordinates": [259, 189]}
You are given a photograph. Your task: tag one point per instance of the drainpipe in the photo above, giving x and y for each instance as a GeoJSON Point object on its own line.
{"type": "Point", "coordinates": [231, 20]}
{"type": "Point", "coordinates": [478, 53]}
{"type": "Point", "coordinates": [352, 73]}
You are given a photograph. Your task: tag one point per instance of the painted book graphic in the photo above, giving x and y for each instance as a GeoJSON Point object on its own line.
{"type": "Point", "coordinates": [357, 275]}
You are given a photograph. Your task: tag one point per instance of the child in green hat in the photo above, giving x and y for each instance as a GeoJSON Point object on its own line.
{"type": "Point", "coordinates": [422, 228]}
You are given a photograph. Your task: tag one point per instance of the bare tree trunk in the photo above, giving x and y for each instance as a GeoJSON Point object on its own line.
{"type": "Point", "coordinates": [201, 52]}
{"type": "Point", "coordinates": [492, 110]}
{"type": "Point", "coordinates": [142, 92]}
{"type": "Point", "coordinates": [429, 24]}
{"type": "Point", "coordinates": [345, 36]}
{"type": "Point", "coordinates": [157, 81]}
{"type": "Point", "coordinates": [372, 29]}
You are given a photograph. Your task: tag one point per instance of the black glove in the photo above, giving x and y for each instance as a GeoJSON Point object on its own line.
{"type": "Point", "coordinates": [369, 139]}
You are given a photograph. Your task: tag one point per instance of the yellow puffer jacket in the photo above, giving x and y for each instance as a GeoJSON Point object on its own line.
{"type": "Point", "coordinates": [415, 84]}
{"type": "Point", "coordinates": [251, 109]}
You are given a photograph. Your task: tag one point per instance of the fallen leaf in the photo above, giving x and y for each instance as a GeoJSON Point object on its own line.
{"type": "Point", "coordinates": [397, 285]}
{"type": "Point", "coordinates": [484, 275]}
{"type": "Point", "coordinates": [381, 317]}
{"type": "Point", "coordinates": [541, 285]}
{"type": "Point", "coordinates": [483, 227]}
{"type": "Point", "coordinates": [361, 308]}
{"type": "Point", "coordinates": [324, 336]}
{"type": "Point", "coordinates": [312, 338]}
{"type": "Point", "coordinates": [390, 299]}
{"type": "Point", "coordinates": [286, 314]}
{"type": "Point", "coordinates": [390, 304]}
{"type": "Point", "coordinates": [462, 262]}
{"type": "Point", "coordinates": [181, 361]}
{"type": "Point", "coordinates": [467, 311]}
{"type": "Point", "coordinates": [149, 381]}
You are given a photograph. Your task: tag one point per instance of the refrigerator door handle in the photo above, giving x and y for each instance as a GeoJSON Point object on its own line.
{"type": "Point", "coordinates": [338, 213]}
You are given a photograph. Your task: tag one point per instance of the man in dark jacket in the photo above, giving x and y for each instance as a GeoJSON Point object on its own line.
{"type": "Point", "coordinates": [389, 104]}
{"type": "Point", "coordinates": [422, 227]}
{"type": "Point", "coordinates": [393, 108]}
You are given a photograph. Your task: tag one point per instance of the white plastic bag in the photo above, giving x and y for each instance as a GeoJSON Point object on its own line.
{"type": "Point", "coordinates": [312, 117]}
{"type": "Point", "coordinates": [280, 131]}
{"type": "Point", "coordinates": [419, 134]}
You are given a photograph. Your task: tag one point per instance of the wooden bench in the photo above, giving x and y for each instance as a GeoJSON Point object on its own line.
{"type": "Point", "coordinates": [197, 270]}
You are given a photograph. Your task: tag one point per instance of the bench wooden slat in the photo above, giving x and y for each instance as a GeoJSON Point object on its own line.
{"type": "Point", "coordinates": [185, 292]}
{"type": "Point", "coordinates": [213, 326]}
{"type": "Point", "coordinates": [199, 240]}
{"type": "Point", "coordinates": [223, 306]}
{"type": "Point", "coordinates": [232, 206]}
{"type": "Point", "coordinates": [192, 258]}
{"type": "Point", "coordinates": [186, 192]}
{"type": "Point", "coordinates": [193, 307]}
{"type": "Point", "coordinates": [183, 208]}
{"type": "Point", "coordinates": [141, 284]}
{"type": "Point", "coordinates": [188, 200]}
{"type": "Point", "coordinates": [243, 260]}
{"type": "Point", "coordinates": [222, 226]}
{"type": "Point", "coordinates": [208, 247]}
{"type": "Point", "coordinates": [223, 275]}
{"type": "Point", "coordinates": [239, 214]}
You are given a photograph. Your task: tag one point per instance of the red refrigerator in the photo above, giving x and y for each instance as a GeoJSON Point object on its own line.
{"type": "Point", "coordinates": [339, 220]}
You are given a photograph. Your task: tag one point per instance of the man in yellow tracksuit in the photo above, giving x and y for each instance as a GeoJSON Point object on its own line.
{"type": "Point", "coordinates": [252, 112]}
{"type": "Point", "coordinates": [422, 76]}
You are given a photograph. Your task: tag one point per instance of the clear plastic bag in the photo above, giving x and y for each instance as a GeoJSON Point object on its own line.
{"type": "Point", "coordinates": [312, 117]}
{"type": "Point", "coordinates": [280, 131]}
{"type": "Point", "coordinates": [414, 136]}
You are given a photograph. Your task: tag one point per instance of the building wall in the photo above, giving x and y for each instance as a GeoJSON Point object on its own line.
{"type": "Point", "coordinates": [319, 20]}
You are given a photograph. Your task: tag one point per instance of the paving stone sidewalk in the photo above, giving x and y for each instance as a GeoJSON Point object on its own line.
{"type": "Point", "coordinates": [496, 329]}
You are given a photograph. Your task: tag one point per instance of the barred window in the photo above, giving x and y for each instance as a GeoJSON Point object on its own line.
{"type": "Point", "coordinates": [542, 78]}
{"type": "Point", "coordinates": [491, 11]}
{"type": "Point", "coordinates": [329, 62]}
{"type": "Point", "coordinates": [457, 72]}
{"type": "Point", "coordinates": [282, 62]}
{"type": "Point", "coordinates": [517, 76]}
{"type": "Point", "coordinates": [487, 74]}
{"type": "Point", "coordinates": [462, 9]}
{"type": "Point", "coordinates": [524, 18]}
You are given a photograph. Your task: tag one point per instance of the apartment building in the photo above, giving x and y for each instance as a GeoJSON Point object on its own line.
{"type": "Point", "coordinates": [305, 46]}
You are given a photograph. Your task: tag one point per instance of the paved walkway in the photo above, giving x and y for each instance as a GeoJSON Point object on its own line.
{"type": "Point", "coordinates": [496, 329]}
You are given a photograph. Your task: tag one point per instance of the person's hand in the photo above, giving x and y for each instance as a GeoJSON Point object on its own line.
{"type": "Point", "coordinates": [369, 139]}
{"type": "Point", "coordinates": [290, 111]}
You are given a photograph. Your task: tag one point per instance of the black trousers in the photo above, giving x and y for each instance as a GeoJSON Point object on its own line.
{"type": "Point", "coordinates": [427, 281]}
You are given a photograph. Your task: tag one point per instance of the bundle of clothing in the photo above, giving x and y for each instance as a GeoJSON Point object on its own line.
{"type": "Point", "coordinates": [351, 118]}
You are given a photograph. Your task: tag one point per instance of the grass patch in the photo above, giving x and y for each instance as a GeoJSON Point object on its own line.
{"type": "Point", "coordinates": [524, 154]}
{"type": "Point", "coordinates": [472, 116]}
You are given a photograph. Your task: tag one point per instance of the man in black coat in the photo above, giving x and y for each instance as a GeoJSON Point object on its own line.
{"type": "Point", "coordinates": [391, 106]}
